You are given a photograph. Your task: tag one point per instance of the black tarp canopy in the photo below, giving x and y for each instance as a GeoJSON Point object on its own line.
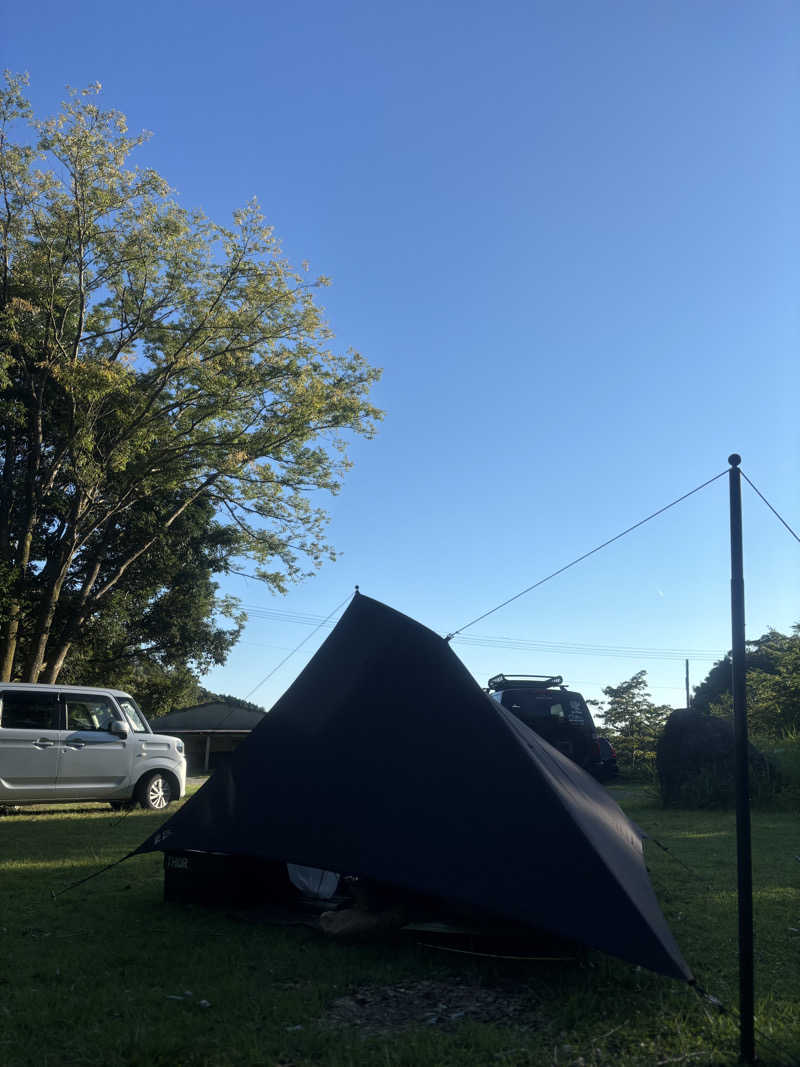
{"type": "Point", "coordinates": [386, 759]}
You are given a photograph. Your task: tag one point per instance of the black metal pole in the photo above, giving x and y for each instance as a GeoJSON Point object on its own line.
{"type": "Point", "coordinates": [739, 686]}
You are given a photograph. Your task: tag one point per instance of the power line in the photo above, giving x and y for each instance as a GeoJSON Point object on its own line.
{"type": "Point", "coordinates": [771, 508]}
{"type": "Point", "coordinates": [586, 555]}
{"type": "Point", "coordinates": [277, 615]}
{"type": "Point", "coordinates": [611, 651]}
{"type": "Point", "coordinates": [298, 647]}
{"type": "Point", "coordinates": [520, 643]}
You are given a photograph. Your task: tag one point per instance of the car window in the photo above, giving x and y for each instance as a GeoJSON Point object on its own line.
{"type": "Point", "coordinates": [89, 712]}
{"type": "Point", "coordinates": [29, 711]}
{"type": "Point", "coordinates": [137, 720]}
{"type": "Point", "coordinates": [523, 704]}
{"type": "Point", "coordinates": [536, 708]}
{"type": "Point", "coordinates": [530, 706]}
{"type": "Point", "coordinates": [577, 711]}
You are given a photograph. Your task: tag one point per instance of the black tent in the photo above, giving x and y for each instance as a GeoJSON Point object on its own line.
{"type": "Point", "coordinates": [387, 760]}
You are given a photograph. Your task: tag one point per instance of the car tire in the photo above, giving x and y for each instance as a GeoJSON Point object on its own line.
{"type": "Point", "coordinates": [154, 791]}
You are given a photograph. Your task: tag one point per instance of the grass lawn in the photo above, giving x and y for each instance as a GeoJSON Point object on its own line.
{"type": "Point", "coordinates": [107, 974]}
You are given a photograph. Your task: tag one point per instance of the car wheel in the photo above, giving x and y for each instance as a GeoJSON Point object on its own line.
{"type": "Point", "coordinates": [154, 792]}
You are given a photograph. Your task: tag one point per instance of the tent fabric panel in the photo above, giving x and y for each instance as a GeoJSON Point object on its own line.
{"type": "Point", "coordinates": [386, 759]}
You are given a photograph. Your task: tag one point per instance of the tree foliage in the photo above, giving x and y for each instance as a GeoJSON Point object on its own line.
{"type": "Point", "coordinates": [153, 364]}
{"type": "Point", "coordinates": [773, 685]}
{"type": "Point", "coordinates": [633, 720]}
{"type": "Point", "coordinates": [205, 696]}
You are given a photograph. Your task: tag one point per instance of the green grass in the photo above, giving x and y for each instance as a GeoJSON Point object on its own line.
{"type": "Point", "coordinates": [90, 973]}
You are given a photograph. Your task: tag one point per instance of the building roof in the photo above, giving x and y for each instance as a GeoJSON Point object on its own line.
{"type": "Point", "coordinates": [227, 718]}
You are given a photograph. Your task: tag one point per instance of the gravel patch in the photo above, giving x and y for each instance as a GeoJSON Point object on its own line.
{"type": "Point", "coordinates": [442, 1004]}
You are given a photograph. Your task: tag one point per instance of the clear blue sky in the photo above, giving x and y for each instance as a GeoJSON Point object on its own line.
{"type": "Point", "coordinates": [569, 233]}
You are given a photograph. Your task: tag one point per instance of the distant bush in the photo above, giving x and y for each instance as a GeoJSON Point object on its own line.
{"type": "Point", "coordinates": [696, 764]}
{"type": "Point", "coordinates": [636, 763]}
{"type": "Point", "coordinates": [714, 786]}
{"type": "Point", "coordinates": [785, 755]}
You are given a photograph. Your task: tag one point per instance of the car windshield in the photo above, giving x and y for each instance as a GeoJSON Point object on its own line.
{"type": "Point", "coordinates": [532, 706]}
{"type": "Point", "coordinates": [135, 717]}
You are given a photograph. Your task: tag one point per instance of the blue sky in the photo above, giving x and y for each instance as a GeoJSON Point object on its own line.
{"type": "Point", "coordinates": [568, 232]}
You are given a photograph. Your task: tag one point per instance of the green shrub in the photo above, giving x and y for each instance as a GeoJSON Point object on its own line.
{"type": "Point", "coordinates": [636, 762]}
{"type": "Point", "coordinates": [785, 755]}
{"type": "Point", "coordinates": [714, 785]}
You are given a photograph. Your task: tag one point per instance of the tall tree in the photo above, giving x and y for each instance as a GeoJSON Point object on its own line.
{"type": "Point", "coordinates": [149, 359]}
{"type": "Point", "coordinates": [773, 684]}
{"type": "Point", "coordinates": [633, 719]}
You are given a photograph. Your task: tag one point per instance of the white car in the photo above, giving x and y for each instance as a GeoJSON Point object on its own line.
{"type": "Point", "coordinates": [65, 742]}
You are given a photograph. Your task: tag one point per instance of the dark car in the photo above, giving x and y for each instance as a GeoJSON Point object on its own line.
{"type": "Point", "coordinates": [607, 767]}
{"type": "Point", "coordinates": [556, 713]}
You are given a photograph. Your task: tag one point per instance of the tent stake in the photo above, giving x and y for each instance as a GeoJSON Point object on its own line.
{"type": "Point", "coordinates": [739, 687]}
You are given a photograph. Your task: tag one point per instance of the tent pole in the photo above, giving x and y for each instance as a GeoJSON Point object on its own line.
{"type": "Point", "coordinates": [739, 687]}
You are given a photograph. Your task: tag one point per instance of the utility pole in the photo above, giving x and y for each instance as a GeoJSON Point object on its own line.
{"type": "Point", "coordinates": [743, 851]}
{"type": "Point", "coordinates": [688, 701]}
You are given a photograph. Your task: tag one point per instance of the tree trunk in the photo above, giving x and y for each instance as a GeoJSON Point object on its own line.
{"type": "Point", "coordinates": [72, 627]}
{"type": "Point", "coordinates": [23, 553]}
{"type": "Point", "coordinates": [55, 573]}
{"type": "Point", "coordinates": [36, 660]}
{"type": "Point", "coordinates": [56, 663]}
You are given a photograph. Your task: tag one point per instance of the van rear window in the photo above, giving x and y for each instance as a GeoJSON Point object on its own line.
{"type": "Point", "coordinates": [530, 706]}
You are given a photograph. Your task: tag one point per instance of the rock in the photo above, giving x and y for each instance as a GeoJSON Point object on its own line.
{"type": "Point", "coordinates": [695, 759]}
{"type": "Point", "coordinates": [357, 922]}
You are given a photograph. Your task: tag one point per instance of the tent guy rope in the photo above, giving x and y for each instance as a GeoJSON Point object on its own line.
{"type": "Point", "coordinates": [586, 555]}
{"type": "Point", "coordinates": [298, 647]}
{"type": "Point", "coordinates": [779, 517]}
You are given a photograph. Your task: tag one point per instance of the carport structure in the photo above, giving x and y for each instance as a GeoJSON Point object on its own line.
{"type": "Point", "coordinates": [210, 732]}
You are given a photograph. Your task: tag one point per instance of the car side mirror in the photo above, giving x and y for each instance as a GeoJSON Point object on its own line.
{"type": "Point", "coordinates": [118, 729]}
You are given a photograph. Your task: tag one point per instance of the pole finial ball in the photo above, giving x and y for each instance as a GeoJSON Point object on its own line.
{"type": "Point", "coordinates": [735, 459]}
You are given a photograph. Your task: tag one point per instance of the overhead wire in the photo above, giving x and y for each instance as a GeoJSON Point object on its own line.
{"type": "Point", "coordinates": [586, 555]}
{"type": "Point", "coordinates": [611, 651]}
{"type": "Point", "coordinates": [521, 643]}
{"type": "Point", "coordinates": [276, 615]}
{"type": "Point", "coordinates": [298, 647]}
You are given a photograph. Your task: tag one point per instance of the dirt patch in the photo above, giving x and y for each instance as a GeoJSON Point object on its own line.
{"type": "Point", "coordinates": [443, 1004]}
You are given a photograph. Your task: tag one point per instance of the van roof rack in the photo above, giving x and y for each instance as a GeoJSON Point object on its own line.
{"type": "Point", "coordinates": [533, 681]}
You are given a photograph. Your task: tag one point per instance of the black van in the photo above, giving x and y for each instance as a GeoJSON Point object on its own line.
{"type": "Point", "coordinates": [556, 713]}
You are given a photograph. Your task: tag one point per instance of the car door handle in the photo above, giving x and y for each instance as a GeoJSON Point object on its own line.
{"type": "Point", "coordinates": [43, 742]}
{"type": "Point", "coordinates": [75, 744]}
